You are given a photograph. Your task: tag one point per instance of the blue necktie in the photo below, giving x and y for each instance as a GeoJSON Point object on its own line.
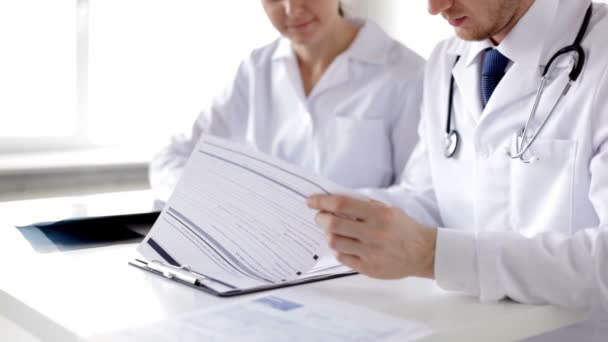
{"type": "Point", "coordinates": [494, 65]}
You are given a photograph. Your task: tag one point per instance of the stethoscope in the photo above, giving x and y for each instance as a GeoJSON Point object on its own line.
{"type": "Point", "coordinates": [522, 141]}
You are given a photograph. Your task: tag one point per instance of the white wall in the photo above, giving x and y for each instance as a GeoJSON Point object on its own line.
{"type": "Point", "coordinates": [406, 20]}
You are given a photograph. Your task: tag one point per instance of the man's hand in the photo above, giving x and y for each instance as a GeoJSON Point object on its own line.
{"type": "Point", "coordinates": [374, 239]}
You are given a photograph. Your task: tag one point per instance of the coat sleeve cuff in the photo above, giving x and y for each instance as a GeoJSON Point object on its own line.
{"type": "Point", "coordinates": [456, 262]}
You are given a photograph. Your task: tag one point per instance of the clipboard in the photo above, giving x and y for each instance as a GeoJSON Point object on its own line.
{"type": "Point", "coordinates": [186, 276]}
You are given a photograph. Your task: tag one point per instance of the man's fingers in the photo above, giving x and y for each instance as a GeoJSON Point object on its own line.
{"type": "Point", "coordinates": [349, 260]}
{"type": "Point", "coordinates": [344, 206]}
{"type": "Point", "coordinates": [335, 225]}
{"type": "Point", "coordinates": [346, 245]}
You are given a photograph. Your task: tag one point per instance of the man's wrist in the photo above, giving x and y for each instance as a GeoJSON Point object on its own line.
{"type": "Point", "coordinates": [430, 244]}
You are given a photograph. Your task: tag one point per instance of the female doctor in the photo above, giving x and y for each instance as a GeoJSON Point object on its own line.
{"type": "Point", "coordinates": [506, 196]}
{"type": "Point", "coordinates": [333, 95]}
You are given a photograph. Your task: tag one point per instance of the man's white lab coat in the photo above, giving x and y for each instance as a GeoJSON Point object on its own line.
{"type": "Point", "coordinates": [530, 232]}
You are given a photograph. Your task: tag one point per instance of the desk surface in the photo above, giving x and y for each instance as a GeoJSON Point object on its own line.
{"type": "Point", "coordinates": [68, 295]}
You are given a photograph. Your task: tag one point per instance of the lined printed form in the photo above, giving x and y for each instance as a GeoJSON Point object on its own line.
{"type": "Point", "coordinates": [240, 217]}
{"type": "Point", "coordinates": [282, 317]}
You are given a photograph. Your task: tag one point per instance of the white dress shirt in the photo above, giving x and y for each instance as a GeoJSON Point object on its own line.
{"type": "Point", "coordinates": [530, 232]}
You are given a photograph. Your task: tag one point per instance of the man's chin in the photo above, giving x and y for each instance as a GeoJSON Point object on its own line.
{"type": "Point", "coordinates": [471, 35]}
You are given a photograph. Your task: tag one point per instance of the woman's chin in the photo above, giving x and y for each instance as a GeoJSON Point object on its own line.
{"type": "Point", "coordinates": [304, 39]}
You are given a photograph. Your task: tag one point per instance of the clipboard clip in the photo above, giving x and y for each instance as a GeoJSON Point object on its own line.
{"type": "Point", "coordinates": [183, 273]}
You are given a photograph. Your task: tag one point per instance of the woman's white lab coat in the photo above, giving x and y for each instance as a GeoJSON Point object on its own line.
{"type": "Point", "coordinates": [530, 232]}
{"type": "Point", "coordinates": [357, 126]}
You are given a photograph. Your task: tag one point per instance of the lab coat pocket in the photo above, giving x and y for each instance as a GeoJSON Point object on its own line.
{"type": "Point", "coordinates": [355, 152]}
{"type": "Point", "coordinates": [541, 192]}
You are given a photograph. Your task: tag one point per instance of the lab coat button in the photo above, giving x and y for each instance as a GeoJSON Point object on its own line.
{"type": "Point", "coordinates": [484, 154]}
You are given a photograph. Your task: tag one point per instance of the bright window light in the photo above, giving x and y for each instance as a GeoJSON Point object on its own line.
{"type": "Point", "coordinates": [38, 68]}
{"type": "Point", "coordinates": [414, 26]}
{"type": "Point", "coordinates": [131, 73]}
{"type": "Point", "coordinates": [155, 64]}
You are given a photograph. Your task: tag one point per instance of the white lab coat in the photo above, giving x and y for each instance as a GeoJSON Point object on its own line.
{"type": "Point", "coordinates": [357, 127]}
{"type": "Point", "coordinates": [527, 232]}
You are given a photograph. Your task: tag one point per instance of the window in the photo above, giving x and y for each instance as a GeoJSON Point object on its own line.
{"type": "Point", "coordinates": [154, 64]}
{"type": "Point", "coordinates": [116, 72]}
{"type": "Point", "coordinates": [87, 73]}
{"type": "Point", "coordinates": [38, 68]}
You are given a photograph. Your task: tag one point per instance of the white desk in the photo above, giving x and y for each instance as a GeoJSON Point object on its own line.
{"type": "Point", "coordinates": [77, 294]}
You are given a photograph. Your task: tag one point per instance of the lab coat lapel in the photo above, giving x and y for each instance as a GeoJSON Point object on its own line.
{"type": "Point", "coordinates": [519, 82]}
{"type": "Point", "coordinates": [369, 46]}
{"type": "Point", "coordinates": [292, 73]}
{"type": "Point", "coordinates": [466, 78]}
{"type": "Point", "coordinates": [336, 74]}
{"type": "Point", "coordinates": [285, 70]}
{"type": "Point", "coordinates": [523, 79]}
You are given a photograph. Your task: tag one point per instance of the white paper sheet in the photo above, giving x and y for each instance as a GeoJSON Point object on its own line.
{"type": "Point", "coordinates": [241, 217]}
{"type": "Point", "coordinates": [279, 318]}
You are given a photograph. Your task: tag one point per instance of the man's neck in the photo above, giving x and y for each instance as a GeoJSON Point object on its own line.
{"type": "Point", "coordinates": [521, 11]}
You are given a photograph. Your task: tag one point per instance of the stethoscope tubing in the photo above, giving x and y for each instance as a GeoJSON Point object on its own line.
{"type": "Point", "coordinates": [448, 125]}
{"type": "Point", "coordinates": [526, 142]}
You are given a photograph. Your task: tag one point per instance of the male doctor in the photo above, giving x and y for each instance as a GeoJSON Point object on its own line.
{"type": "Point", "coordinates": [527, 228]}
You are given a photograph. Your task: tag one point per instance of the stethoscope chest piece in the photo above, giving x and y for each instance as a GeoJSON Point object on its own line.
{"type": "Point", "coordinates": [451, 144]}
{"type": "Point", "coordinates": [522, 141]}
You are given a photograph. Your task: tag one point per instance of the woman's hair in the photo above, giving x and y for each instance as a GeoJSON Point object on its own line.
{"type": "Point", "coordinates": [340, 9]}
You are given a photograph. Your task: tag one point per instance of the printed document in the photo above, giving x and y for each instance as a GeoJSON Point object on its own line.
{"type": "Point", "coordinates": [279, 317]}
{"type": "Point", "coordinates": [240, 218]}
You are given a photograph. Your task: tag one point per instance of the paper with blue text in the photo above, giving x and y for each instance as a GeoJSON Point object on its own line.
{"type": "Point", "coordinates": [280, 317]}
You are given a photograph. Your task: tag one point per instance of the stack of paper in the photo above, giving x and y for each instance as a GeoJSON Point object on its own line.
{"type": "Point", "coordinates": [239, 220]}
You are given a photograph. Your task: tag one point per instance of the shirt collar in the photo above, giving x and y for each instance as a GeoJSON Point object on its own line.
{"type": "Point", "coordinates": [283, 50]}
{"type": "Point", "coordinates": [522, 44]}
{"type": "Point", "coordinates": [371, 45]}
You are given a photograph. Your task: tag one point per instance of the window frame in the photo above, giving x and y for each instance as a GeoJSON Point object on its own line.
{"type": "Point", "coordinates": [79, 139]}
